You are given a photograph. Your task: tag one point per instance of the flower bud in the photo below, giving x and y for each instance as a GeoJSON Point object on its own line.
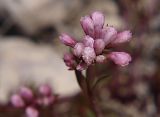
{"type": "Point", "coordinates": [98, 19]}
{"type": "Point", "coordinates": [100, 59]}
{"type": "Point", "coordinates": [87, 25]}
{"type": "Point", "coordinates": [45, 90]}
{"type": "Point", "coordinates": [67, 40]}
{"type": "Point", "coordinates": [99, 46]}
{"type": "Point", "coordinates": [120, 58]}
{"type": "Point", "coordinates": [122, 37]}
{"type": "Point", "coordinates": [48, 100]}
{"type": "Point", "coordinates": [88, 41]}
{"type": "Point", "coordinates": [69, 60]}
{"type": "Point", "coordinates": [32, 112]}
{"type": "Point", "coordinates": [88, 55]}
{"type": "Point", "coordinates": [78, 49]}
{"type": "Point", "coordinates": [26, 93]}
{"type": "Point", "coordinates": [17, 101]}
{"type": "Point", "coordinates": [109, 34]}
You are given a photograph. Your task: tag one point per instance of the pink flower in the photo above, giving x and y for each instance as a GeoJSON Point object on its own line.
{"type": "Point", "coordinates": [98, 19]}
{"type": "Point", "coordinates": [26, 93]}
{"type": "Point", "coordinates": [122, 37]}
{"type": "Point", "coordinates": [32, 112]}
{"type": "Point", "coordinates": [88, 41]}
{"type": "Point", "coordinates": [109, 34]}
{"type": "Point", "coordinates": [48, 100]}
{"type": "Point", "coordinates": [99, 46]}
{"type": "Point", "coordinates": [87, 25]}
{"type": "Point", "coordinates": [120, 58]}
{"type": "Point", "coordinates": [88, 55]}
{"type": "Point", "coordinates": [67, 40]}
{"type": "Point", "coordinates": [69, 60]}
{"type": "Point", "coordinates": [96, 44]}
{"type": "Point", "coordinates": [78, 49]}
{"type": "Point", "coordinates": [45, 90]}
{"type": "Point", "coordinates": [17, 101]}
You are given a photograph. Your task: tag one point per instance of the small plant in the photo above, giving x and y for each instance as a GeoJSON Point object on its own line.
{"type": "Point", "coordinates": [95, 47]}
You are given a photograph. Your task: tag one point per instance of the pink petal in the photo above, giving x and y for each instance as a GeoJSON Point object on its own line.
{"type": "Point", "coordinates": [87, 25]}
{"type": "Point", "coordinates": [26, 93]}
{"type": "Point", "coordinates": [120, 58]}
{"type": "Point", "coordinates": [78, 49]}
{"type": "Point", "coordinates": [67, 40]}
{"type": "Point", "coordinates": [32, 112]}
{"type": "Point", "coordinates": [109, 34]}
{"type": "Point", "coordinates": [88, 41]}
{"type": "Point", "coordinates": [88, 55]}
{"type": "Point", "coordinates": [17, 101]}
{"type": "Point", "coordinates": [122, 37]}
{"type": "Point", "coordinates": [98, 19]}
{"type": "Point", "coordinates": [99, 46]}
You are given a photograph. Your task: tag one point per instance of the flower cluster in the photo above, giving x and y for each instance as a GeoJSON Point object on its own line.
{"type": "Point", "coordinates": [96, 43]}
{"type": "Point", "coordinates": [25, 98]}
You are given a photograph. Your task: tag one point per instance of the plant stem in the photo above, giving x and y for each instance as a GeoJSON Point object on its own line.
{"type": "Point", "coordinates": [91, 75]}
{"type": "Point", "coordinates": [85, 85]}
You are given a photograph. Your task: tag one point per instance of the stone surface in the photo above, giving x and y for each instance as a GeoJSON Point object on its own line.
{"type": "Point", "coordinates": [23, 62]}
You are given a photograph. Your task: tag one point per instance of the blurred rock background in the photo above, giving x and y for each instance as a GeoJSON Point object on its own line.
{"type": "Point", "coordinates": [30, 51]}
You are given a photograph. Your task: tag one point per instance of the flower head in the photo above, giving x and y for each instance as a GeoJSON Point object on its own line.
{"type": "Point", "coordinates": [95, 45]}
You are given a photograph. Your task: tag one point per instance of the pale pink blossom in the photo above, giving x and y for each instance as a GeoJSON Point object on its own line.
{"type": "Point", "coordinates": [99, 46]}
{"type": "Point", "coordinates": [120, 58]}
{"type": "Point", "coordinates": [26, 93]}
{"type": "Point", "coordinates": [122, 37]}
{"type": "Point", "coordinates": [67, 40]}
{"type": "Point", "coordinates": [32, 112]}
{"type": "Point", "coordinates": [98, 19]}
{"type": "Point", "coordinates": [97, 43]}
{"type": "Point", "coordinates": [45, 90]}
{"type": "Point", "coordinates": [69, 60]}
{"type": "Point", "coordinates": [109, 34]}
{"type": "Point", "coordinates": [88, 41]}
{"type": "Point", "coordinates": [78, 49]}
{"type": "Point", "coordinates": [87, 25]}
{"type": "Point", "coordinates": [17, 101]}
{"type": "Point", "coordinates": [88, 55]}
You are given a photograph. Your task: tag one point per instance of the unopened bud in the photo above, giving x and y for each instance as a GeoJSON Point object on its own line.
{"type": "Point", "coordinates": [32, 112]}
{"type": "Point", "coordinates": [99, 46]}
{"type": "Point", "coordinates": [69, 60]}
{"type": "Point", "coordinates": [122, 37]}
{"type": "Point", "coordinates": [78, 49]}
{"type": "Point", "coordinates": [88, 41]}
{"type": "Point", "coordinates": [67, 40]}
{"type": "Point", "coordinates": [98, 19]}
{"type": "Point", "coordinates": [45, 90]}
{"type": "Point", "coordinates": [87, 25]}
{"type": "Point", "coordinates": [120, 58]}
{"type": "Point", "coordinates": [109, 34]}
{"type": "Point", "coordinates": [26, 93]}
{"type": "Point", "coordinates": [88, 55]}
{"type": "Point", "coordinates": [17, 101]}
